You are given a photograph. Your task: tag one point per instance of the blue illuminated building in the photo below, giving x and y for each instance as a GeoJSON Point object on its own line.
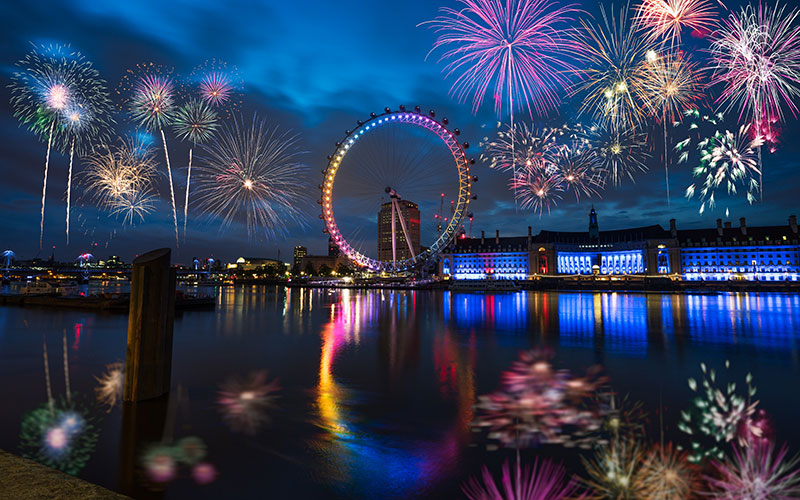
{"type": "Point", "coordinates": [764, 253]}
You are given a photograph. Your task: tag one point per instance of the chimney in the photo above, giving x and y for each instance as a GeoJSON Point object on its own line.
{"type": "Point", "coordinates": [483, 238]}
{"type": "Point", "coordinates": [529, 229]}
{"type": "Point", "coordinates": [530, 236]}
{"type": "Point", "coordinates": [673, 228]}
{"type": "Point", "coordinates": [497, 237]}
{"type": "Point", "coordinates": [743, 225]}
{"type": "Point", "coordinates": [727, 224]}
{"type": "Point", "coordinates": [719, 227]}
{"type": "Point", "coordinates": [793, 223]}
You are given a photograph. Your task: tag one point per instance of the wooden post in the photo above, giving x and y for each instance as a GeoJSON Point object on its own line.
{"type": "Point", "coordinates": [148, 361]}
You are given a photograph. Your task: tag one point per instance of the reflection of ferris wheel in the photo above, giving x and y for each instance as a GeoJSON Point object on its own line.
{"type": "Point", "coordinates": [389, 165]}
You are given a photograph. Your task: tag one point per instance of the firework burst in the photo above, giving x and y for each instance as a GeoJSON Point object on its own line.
{"type": "Point", "coordinates": [665, 20]}
{"type": "Point", "coordinates": [613, 471]}
{"type": "Point", "coordinates": [520, 146]}
{"type": "Point", "coordinates": [578, 168]}
{"type": "Point", "coordinates": [755, 472]}
{"type": "Point", "coordinates": [728, 160]}
{"type": "Point", "coordinates": [541, 405]}
{"type": "Point", "coordinates": [121, 179]}
{"type": "Point", "coordinates": [152, 105]}
{"type": "Point", "coordinates": [520, 46]}
{"type": "Point", "coordinates": [542, 481]}
{"type": "Point", "coordinates": [612, 72]}
{"type": "Point", "coordinates": [111, 384]}
{"type": "Point", "coordinates": [218, 84]}
{"type": "Point", "coordinates": [253, 171]}
{"type": "Point", "coordinates": [196, 122]}
{"type": "Point", "coordinates": [244, 403]}
{"type": "Point", "coordinates": [716, 415]}
{"type": "Point", "coordinates": [621, 154]}
{"type": "Point", "coordinates": [59, 95]}
{"type": "Point", "coordinates": [537, 189]}
{"type": "Point", "coordinates": [666, 474]}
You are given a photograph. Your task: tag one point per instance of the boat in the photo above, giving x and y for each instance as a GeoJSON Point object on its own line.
{"type": "Point", "coordinates": [493, 286]}
{"type": "Point", "coordinates": [39, 288]}
{"type": "Point", "coordinates": [184, 301]}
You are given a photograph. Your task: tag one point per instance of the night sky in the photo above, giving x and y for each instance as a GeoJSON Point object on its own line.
{"type": "Point", "coordinates": [314, 67]}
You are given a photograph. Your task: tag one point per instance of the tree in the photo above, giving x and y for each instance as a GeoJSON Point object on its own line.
{"type": "Point", "coordinates": [324, 270]}
{"type": "Point", "coordinates": [309, 269]}
{"type": "Point", "coordinates": [343, 269]}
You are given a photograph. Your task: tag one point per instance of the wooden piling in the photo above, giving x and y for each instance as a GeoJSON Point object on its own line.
{"type": "Point", "coordinates": [148, 360]}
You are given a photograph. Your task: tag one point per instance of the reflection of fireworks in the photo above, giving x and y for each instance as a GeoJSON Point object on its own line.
{"type": "Point", "coordinates": [613, 471]}
{"type": "Point", "coordinates": [244, 403]}
{"type": "Point", "coordinates": [665, 19]}
{"type": "Point", "coordinates": [159, 464]}
{"type": "Point", "coordinates": [541, 405]}
{"type": "Point", "coordinates": [253, 170]}
{"type": "Point", "coordinates": [756, 472]}
{"type": "Point", "coordinates": [727, 161]}
{"type": "Point", "coordinates": [716, 414]}
{"type": "Point", "coordinates": [665, 474]}
{"type": "Point", "coordinates": [612, 72]}
{"type": "Point", "coordinates": [63, 439]}
{"type": "Point", "coordinates": [542, 481]}
{"type": "Point", "coordinates": [111, 383]}
{"type": "Point", "coordinates": [121, 179]}
{"type": "Point", "coordinates": [520, 46]}
{"type": "Point", "coordinates": [625, 418]}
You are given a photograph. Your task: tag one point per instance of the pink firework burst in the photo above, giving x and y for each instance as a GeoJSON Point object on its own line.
{"type": "Point", "coordinates": [542, 481]}
{"type": "Point", "coordinates": [216, 88]}
{"type": "Point", "coordinates": [520, 47]}
{"type": "Point", "coordinates": [244, 403]}
{"type": "Point", "coordinates": [755, 472]}
{"type": "Point", "coordinates": [153, 102]}
{"type": "Point", "coordinates": [666, 19]}
{"type": "Point", "coordinates": [755, 56]}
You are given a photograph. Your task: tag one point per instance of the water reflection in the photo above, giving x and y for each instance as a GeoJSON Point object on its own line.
{"type": "Point", "coordinates": [380, 452]}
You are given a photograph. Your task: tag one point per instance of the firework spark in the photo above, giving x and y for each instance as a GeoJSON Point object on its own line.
{"type": "Point", "coordinates": [244, 403]}
{"type": "Point", "coordinates": [579, 170]}
{"type": "Point", "coordinates": [252, 170]}
{"type": "Point", "coordinates": [218, 84]}
{"type": "Point", "coordinates": [537, 189]}
{"type": "Point", "coordinates": [727, 161]}
{"type": "Point", "coordinates": [665, 20]}
{"type": "Point", "coordinates": [755, 472]}
{"type": "Point", "coordinates": [613, 471]}
{"type": "Point", "coordinates": [542, 481]}
{"type": "Point", "coordinates": [612, 72]}
{"type": "Point", "coordinates": [121, 179]}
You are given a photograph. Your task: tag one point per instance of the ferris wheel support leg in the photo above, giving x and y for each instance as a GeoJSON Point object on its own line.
{"type": "Point", "coordinates": [403, 225]}
{"type": "Point", "coordinates": [394, 237]}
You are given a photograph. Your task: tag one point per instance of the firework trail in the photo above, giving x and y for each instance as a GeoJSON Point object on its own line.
{"type": "Point", "coordinates": [50, 82]}
{"type": "Point", "coordinates": [664, 20]}
{"type": "Point", "coordinates": [121, 179]}
{"type": "Point", "coordinates": [196, 122]}
{"type": "Point", "coordinates": [755, 57]}
{"type": "Point", "coordinates": [152, 105]}
{"type": "Point", "coordinates": [727, 159]}
{"type": "Point", "coordinates": [523, 47]}
{"type": "Point", "coordinates": [670, 86]}
{"type": "Point", "coordinates": [255, 170]}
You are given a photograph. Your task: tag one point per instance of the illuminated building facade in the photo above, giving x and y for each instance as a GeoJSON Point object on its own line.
{"type": "Point", "coordinates": [765, 253]}
{"type": "Point", "coordinates": [409, 212]}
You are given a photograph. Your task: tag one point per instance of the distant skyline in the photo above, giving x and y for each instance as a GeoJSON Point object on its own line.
{"type": "Point", "coordinates": [313, 67]}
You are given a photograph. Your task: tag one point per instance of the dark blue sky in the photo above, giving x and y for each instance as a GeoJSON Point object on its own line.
{"type": "Point", "coordinates": [316, 67]}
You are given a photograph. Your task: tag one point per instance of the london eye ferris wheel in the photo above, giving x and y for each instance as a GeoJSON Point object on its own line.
{"type": "Point", "coordinates": [397, 189]}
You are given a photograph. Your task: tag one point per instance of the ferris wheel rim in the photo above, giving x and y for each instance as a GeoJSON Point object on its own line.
{"type": "Point", "coordinates": [462, 163]}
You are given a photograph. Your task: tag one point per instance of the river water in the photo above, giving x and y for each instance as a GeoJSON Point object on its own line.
{"type": "Point", "coordinates": [376, 388]}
